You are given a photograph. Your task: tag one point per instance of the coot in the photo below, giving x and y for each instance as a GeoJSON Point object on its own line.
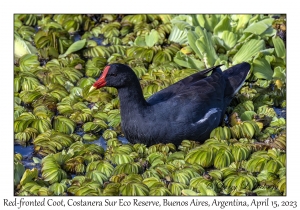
{"type": "Point", "coordinates": [189, 109]}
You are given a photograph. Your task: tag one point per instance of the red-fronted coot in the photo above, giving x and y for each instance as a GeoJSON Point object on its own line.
{"type": "Point", "coordinates": [189, 109]}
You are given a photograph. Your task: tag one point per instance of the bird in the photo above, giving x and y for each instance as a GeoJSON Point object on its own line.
{"type": "Point", "coordinates": [186, 110]}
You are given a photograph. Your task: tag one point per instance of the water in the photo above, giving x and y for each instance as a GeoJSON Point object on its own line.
{"type": "Point", "coordinates": [281, 112]}
{"type": "Point", "coordinates": [27, 153]}
{"type": "Point", "coordinates": [123, 140]}
{"type": "Point", "coordinates": [101, 141]}
{"type": "Point", "coordinates": [76, 37]}
{"type": "Point", "coordinates": [98, 40]}
{"type": "Point", "coordinates": [24, 151]}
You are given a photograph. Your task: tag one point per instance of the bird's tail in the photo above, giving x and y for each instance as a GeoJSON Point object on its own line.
{"type": "Point", "coordinates": [235, 76]}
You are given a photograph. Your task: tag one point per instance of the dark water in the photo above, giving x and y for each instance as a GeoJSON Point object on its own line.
{"type": "Point", "coordinates": [280, 112]}
{"type": "Point", "coordinates": [123, 140]}
{"type": "Point", "coordinates": [27, 153]}
{"type": "Point", "coordinates": [98, 40]}
{"type": "Point", "coordinates": [101, 141]}
{"type": "Point", "coordinates": [24, 151]}
{"type": "Point", "coordinates": [76, 37]}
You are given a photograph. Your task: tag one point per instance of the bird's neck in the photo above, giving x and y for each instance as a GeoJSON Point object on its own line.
{"type": "Point", "coordinates": [131, 98]}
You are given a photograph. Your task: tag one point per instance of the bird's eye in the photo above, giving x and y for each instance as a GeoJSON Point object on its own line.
{"type": "Point", "coordinates": [113, 74]}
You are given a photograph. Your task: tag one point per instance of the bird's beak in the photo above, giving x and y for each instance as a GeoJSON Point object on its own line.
{"type": "Point", "coordinates": [92, 88]}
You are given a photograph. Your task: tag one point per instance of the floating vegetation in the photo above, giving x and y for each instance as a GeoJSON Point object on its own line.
{"type": "Point", "coordinates": [77, 135]}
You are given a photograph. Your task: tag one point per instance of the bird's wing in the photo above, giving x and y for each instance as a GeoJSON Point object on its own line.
{"type": "Point", "coordinates": [181, 87]}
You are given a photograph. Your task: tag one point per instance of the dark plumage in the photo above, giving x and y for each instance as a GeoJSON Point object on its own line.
{"type": "Point", "coordinates": [189, 109]}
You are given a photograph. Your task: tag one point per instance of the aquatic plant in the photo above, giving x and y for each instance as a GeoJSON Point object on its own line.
{"type": "Point", "coordinates": [58, 58]}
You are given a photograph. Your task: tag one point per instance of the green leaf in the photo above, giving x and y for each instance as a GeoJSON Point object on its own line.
{"type": "Point", "coordinates": [223, 158]}
{"type": "Point", "coordinates": [28, 61]}
{"type": "Point", "coordinates": [176, 188]}
{"type": "Point", "coordinates": [166, 18]}
{"type": "Point", "coordinates": [206, 190]}
{"type": "Point", "coordinates": [229, 39]}
{"type": "Point", "coordinates": [270, 32]}
{"type": "Point", "coordinates": [201, 42]}
{"type": "Point", "coordinates": [279, 46]}
{"type": "Point", "coordinates": [140, 41]}
{"type": "Point", "coordinates": [58, 188]}
{"type": "Point", "coordinates": [267, 192]}
{"type": "Point", "coordinates": [101, 166]}
{"type": "Point", "coordinates": [132, 188]}
{"type": "Point", "coordinates": [256, 164]}
{"type": "Point", "coordinates": [90, 137]}
{"type": "Point", "coordinates": [36, 160]}
{"type": "Point", "coordinates": [29, 175]}
{"type": "Point", "coordinates": [159, 191]}
{"type": "Point", "coordinates": [91, 127]}
{"type": "Point", "coordinates": [30, 83]}
{"type": "Point", "coordinates": [206, 47]}
{"type": "Point", "coordinates": [201, 156]}
{"type": "Point", "coordinates": [64, 125]}
{"type": "Point", "coordinates": [192, 36]}
{"type": "Point", "coordinates": [183, 21]}
{"type": "Point", "coordinates": [248, 50]}
{"type": "Point", "coordinates": [30, 96]}
{"type": "Point", "coordinates": [223, 25]}
{"type": "Point", "coordinates": [188, 192]}
{"type": "Point", "coordinates": [42, 125]}
{"type": "Point", "coordinates": [278, 122]}
{"type": "Point", "coordinates": [178, 35]}
{"type": "Point", "coordinates": [97, 176]}
{"type": "Point", "coordinates": [152, 38]}
{"type": "Point", "coordinates": [208, 21]}
{"type": "Point", "coordinates": [262, 69]}
{"type": "Point", "coordinates": [188, 61]}
{"type": "Point", "coordinates": [127, 168]}
{"type": "Point", "coordinates": [279, 73]}
{"type": "Point", "coordinates": [240, 153]}
{"type": "Point", "coordinates": [22, 47]}
{"type": "Point", "coordinates": [74, 47]}
{"type": "Point", "coordinates": [259, 27]}
{"type": "Point", "coordinates": [121, 158]}
{"type": "Point", "coordinates": [19, 170]}
{"type": "Point", "coordinates": [220, 133]}
{"type": "Point", "coordinates": [242, 22]}
{"type": "Point", "coordinates": [247, 115]}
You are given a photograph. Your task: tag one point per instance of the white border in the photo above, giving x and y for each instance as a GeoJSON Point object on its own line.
{"type": "Point", "coordinates": [158, 7]}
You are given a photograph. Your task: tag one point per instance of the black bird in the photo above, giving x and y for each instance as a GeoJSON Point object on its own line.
{"type": "Point", "coordinates": [189, 109]}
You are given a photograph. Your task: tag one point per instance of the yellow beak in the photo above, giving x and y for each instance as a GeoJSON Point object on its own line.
{"type": "Point", "coordinates": [92, 88]}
